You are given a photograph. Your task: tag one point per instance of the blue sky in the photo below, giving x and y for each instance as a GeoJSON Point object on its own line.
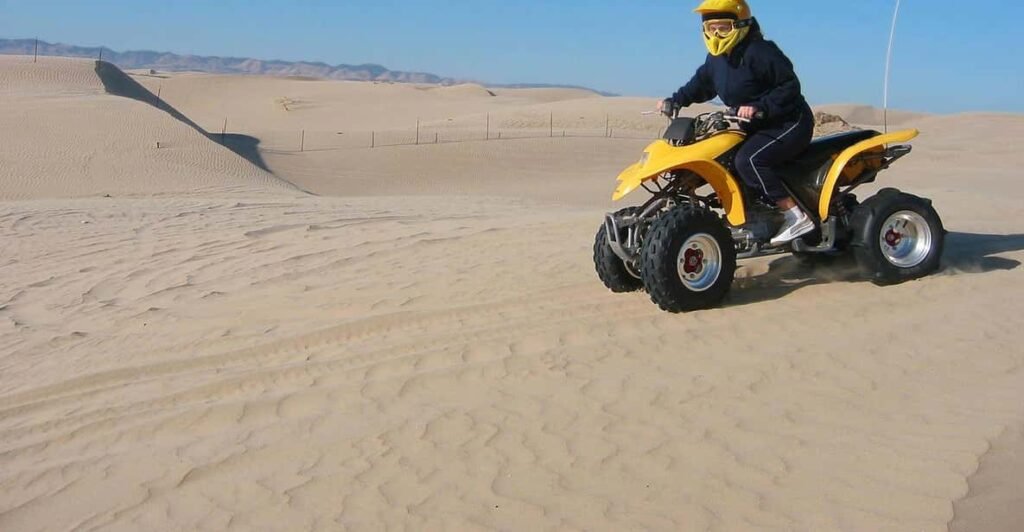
{"type": "Point", "coordinates": [945, 59]}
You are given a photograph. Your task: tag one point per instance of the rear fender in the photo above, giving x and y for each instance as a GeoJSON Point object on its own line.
{"type": "Point", "coordinates": [836, 170]}
{"type": "Point", "coordinates": [661, 157]}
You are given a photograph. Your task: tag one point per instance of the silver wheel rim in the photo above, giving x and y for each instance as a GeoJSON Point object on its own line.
{"type": "Point", "coordinates": [699, 262]}
{"type": "Point", "coordinates": [905, 239]}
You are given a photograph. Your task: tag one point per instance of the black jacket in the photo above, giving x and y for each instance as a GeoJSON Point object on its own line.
{"type": "Point", "coordinates": [756, 73]}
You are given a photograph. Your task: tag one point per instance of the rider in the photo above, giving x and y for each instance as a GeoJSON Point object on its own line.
{"type": "Point", "coordinates": [752, 74]}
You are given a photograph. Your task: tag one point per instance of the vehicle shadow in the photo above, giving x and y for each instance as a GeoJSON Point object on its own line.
{"type": "Point", "coordinates": [965, 253]}
{"type": "Point", "coordinates": [970, 252]}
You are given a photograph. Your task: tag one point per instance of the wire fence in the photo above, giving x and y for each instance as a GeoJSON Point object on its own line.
{"type": "Point", "coordinates": [464, 129]}
{"type": "Point", "coordinates": [535, 123]}
{"type": "Point", "coordinates": [507, 125]}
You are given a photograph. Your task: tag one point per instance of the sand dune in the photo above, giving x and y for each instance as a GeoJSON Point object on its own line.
{"type": "Point", "coordinates": [424, 345]}
{"type": "Point", "coordinates": [73, 128]}
{"type": "Point", "coordinates": [548, 94]}
{"type": "Point", "coordinates": [252, 102]}
{"type": "Point", "coordinates": [465, 90]}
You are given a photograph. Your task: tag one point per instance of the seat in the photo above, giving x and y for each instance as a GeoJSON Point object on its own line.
{"type": "Point", "coordinates": [823, 148]}
{"type": "Point", "coordinates": [805, 175]}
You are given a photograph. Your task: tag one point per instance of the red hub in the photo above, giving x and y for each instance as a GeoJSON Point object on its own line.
{"type": "Point", "coordinates": [892, 238]}
{"type": "Point", "coordinates": [693, 261]}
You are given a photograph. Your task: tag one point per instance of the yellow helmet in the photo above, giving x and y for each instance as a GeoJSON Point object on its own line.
{"type": "Point", "coordinates": [735, 7]}
{"type": "Point", "coordinates": [726, 24]}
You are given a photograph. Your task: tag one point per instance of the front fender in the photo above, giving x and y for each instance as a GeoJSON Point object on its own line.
{"type": "Point", "coordinates": [661, 157]}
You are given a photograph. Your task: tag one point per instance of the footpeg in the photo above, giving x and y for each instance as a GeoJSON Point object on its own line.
{"type": "Point", "coordinates": [828, 239]}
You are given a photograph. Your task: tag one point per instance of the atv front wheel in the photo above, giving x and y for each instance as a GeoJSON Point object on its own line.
{"type": "Point", "coordinates": [616, 275]}
{"type": "Point", "coordinates": [688, 260]}
{"type": "Point", "coordinates": [897, 237]}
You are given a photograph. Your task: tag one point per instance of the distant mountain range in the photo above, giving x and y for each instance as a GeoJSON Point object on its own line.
{"type": "Point", "coordinates": [242, 65]}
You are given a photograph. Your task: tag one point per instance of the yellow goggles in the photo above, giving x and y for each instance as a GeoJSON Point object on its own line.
{"type": "Point", "coordinates": [724, 27]}
{"type": "Point", "coordinates": [720, 27]}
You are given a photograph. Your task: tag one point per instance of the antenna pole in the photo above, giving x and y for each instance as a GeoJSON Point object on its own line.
{"type": "Point", "coordinates": [888, 66]}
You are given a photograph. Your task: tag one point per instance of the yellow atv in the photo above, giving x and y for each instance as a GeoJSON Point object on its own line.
{"type": "Point", "coordinates": [682, 244]}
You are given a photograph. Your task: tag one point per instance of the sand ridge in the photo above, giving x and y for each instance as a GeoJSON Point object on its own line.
{"type": "Point", "coordinates": [65, 134]}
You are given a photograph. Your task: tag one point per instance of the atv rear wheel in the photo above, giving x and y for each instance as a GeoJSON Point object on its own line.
{"type": "Point", "coordinates": [897, 237]}
{"type": "Point", "coordinates": [688, 260]}
{"type": "Point", "coordinates": [616, 275]}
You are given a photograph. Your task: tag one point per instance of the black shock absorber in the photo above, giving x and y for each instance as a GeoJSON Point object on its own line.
{"type": "Point", "coordinates": [844, 205]}
{"type": "Point", "coordinates": [838, 209]}
{"type": "Point", "coordinates": [843, 209]}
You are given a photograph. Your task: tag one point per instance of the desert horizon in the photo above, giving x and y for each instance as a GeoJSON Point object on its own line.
{"type": "Point", "coordinates": [264, 302]}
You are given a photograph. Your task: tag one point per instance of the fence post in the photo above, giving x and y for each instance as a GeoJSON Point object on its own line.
{"type": "Point", "coordinates": [101, 53]}
{"type": "Point", "coordinates": [35, 51]}
{"type": "Point", "coordinates": [224, 131]}
{"type": "Point", "coordinates": [436, 134]}
{"type": "Point", "coordinates": [302, 142]}
{"type": "Point", "coordinates": [159, 102]}
{"type": "Point", "coordinates": [373, 139]}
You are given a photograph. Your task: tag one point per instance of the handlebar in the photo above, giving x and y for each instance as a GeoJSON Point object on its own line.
{"type": "Point", "coordinates": [670, 109]}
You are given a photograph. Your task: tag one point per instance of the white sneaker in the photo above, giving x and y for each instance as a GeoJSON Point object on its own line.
{"type": "Point", "coordinates": [793, 228]}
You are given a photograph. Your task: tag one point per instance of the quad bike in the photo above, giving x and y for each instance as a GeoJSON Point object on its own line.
{"type": "Point", "coordinates": [682, 244]}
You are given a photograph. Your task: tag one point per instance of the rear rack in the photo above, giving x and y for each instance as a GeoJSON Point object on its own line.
{"type": "Point", "coordinates": [889, 156]}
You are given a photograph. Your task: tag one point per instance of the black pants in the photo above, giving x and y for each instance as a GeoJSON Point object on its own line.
{"type": "Point", "coordinates": [767, 148]}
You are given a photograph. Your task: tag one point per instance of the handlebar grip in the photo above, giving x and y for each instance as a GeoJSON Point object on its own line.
{"type": "Point", "coordinates": [669, 107]}
{"type": "Point", "coordinates": [734, 111]}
